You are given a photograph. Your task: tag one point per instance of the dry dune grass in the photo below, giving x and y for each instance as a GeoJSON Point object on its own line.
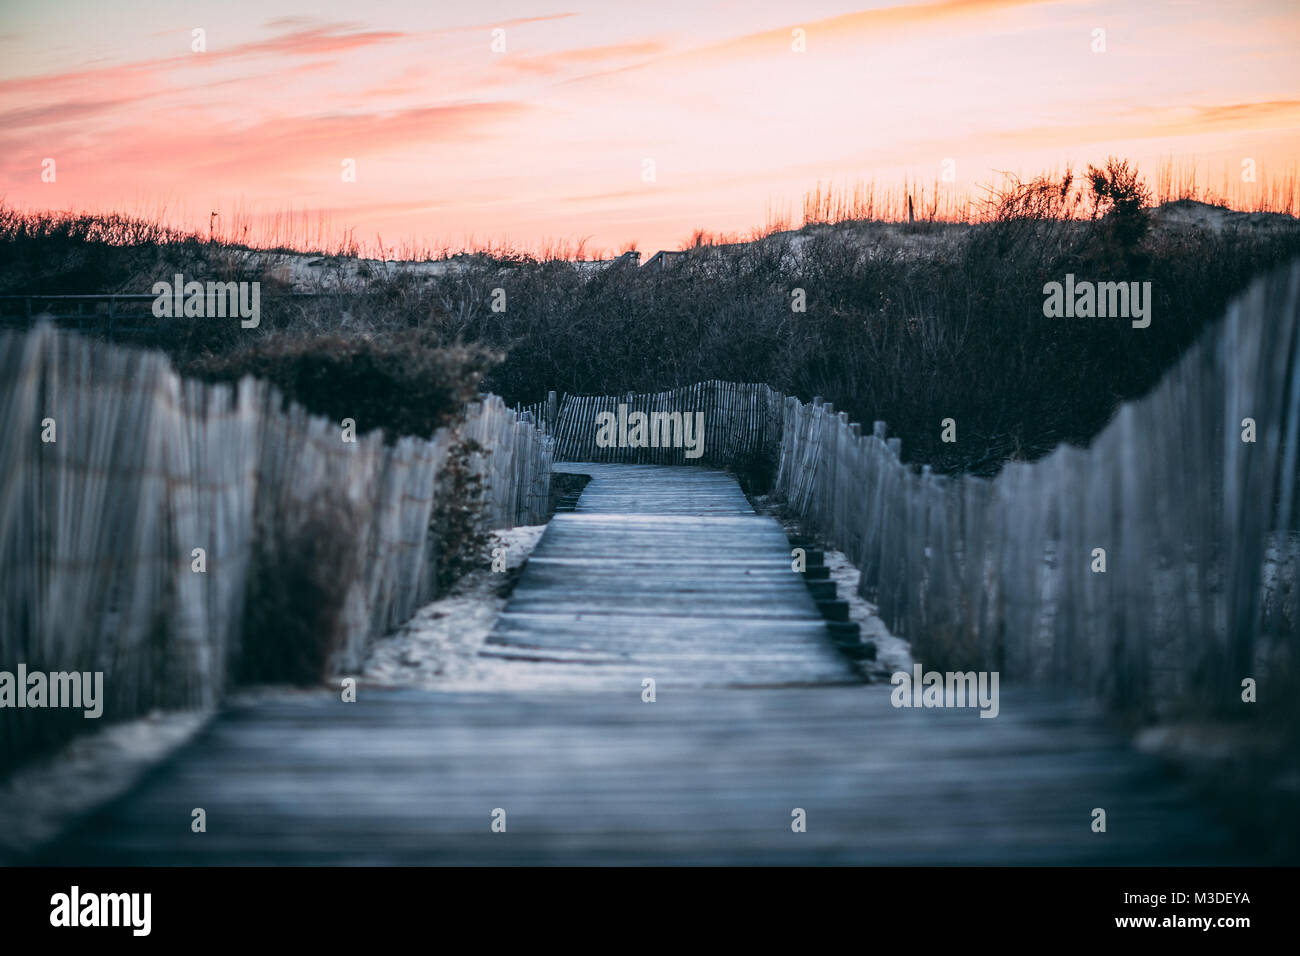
{"type": "Point", "coordinates": [289, 230]}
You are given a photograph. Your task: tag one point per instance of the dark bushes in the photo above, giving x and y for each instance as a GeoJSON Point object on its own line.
{"type": "Point", "coordinates": [401, 381]}
{"type": "Point", "coordinates": [908, 326]}
{"type": "Point", "coordinates": [1121, 199]}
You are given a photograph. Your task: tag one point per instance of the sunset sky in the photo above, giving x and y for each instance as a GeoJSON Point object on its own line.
{"type": "Point", "coordinates": [548, 139]}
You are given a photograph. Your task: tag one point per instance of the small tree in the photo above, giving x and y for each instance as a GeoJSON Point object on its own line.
{"type": "Point", "coordinates": [1120, 199]}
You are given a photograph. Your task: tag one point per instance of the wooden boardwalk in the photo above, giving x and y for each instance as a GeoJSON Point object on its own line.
{"type": "Point", "coordinates": [666, 573]}
{"type": "Point", "coordinates": [663, 573]}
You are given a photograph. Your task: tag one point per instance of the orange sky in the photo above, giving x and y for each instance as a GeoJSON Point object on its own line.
{"type": "Point", "coordinates": [548, 140]}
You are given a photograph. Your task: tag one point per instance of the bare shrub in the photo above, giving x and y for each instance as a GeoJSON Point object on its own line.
{"type": "Point", "coordinates": [304, 560]}
{"type": "Point", "coordinates": [457, 521]}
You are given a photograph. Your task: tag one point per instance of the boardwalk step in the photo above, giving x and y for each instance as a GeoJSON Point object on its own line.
{"type": "Point", "coordinates": [834, 610]}
{"type": "Point", "coordinates": [821, 590]}
{"type": "Point", "coordinates": [817, 577]}
{"type": "Point", "coordinates": [859, 652]}
{"type": "Point", "coordinates": [844, 632]}
{"type": "Point", "coordinates": [847, 638]}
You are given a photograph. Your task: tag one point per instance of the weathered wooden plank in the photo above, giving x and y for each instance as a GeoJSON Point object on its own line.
{"type": "Point", "coordinates": [698, 777]}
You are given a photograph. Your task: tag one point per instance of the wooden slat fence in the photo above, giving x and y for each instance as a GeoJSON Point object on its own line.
{"type": "Point", "coordinates": [742, 423]}
{"type": "Point", "coordinates": [97, 527]}
{"type": "Point", "coordinates": [998, 574]}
